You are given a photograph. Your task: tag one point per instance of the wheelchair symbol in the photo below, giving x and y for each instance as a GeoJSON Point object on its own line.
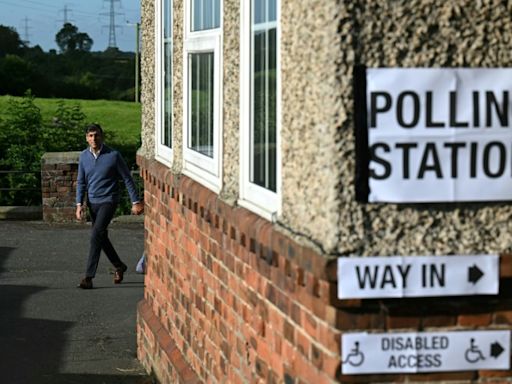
{"type": "Point", "coordinates": [473, 353]}
{"type": "Point", "coordinates": [355, 358]}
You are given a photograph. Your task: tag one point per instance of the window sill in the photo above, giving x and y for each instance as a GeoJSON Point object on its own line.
{"type": "Point", "coordinates": [263, 212]}
{"type": "Point", "coordinates": [203, 177]}
{"type": "Point", "coordinates": [164, 160]}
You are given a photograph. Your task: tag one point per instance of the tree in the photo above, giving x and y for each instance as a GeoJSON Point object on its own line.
{"type": "Point", "coordinates": [84, 42]}
{"type": "Point", "coordinates": [71, 71]}
{"type": "Point", "coordinates": [10, 41]}
{"type": "Point", "coordinates": [16, 75]}
{"type": "Point", "coordinates": [69, 39]}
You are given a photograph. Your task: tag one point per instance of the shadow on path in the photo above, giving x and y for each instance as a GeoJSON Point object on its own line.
{"type": "Point", "coordinates": [29, 348]}
{"type": "Point", "coordinates": [32, 350]}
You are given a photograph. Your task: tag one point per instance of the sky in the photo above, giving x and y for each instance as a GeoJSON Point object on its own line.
{"type": "Point", "coordinates": [42, 19]}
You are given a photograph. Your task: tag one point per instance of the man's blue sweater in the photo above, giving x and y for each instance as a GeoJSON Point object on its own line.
{"type": "Point", "coordinates": [99, 177]}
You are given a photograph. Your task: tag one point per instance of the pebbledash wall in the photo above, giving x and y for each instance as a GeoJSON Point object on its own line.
{"type": "Point", "coordinates": [232, 297]}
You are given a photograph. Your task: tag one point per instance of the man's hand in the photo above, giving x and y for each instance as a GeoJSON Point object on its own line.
{"type": "Point", "coordinates": [137, 208]}
{"type": "Point", "coordinates": [79, 212]}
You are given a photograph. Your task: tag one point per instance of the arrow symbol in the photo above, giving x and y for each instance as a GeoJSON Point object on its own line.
{"type": "Point", "coordinates": [474, 274]}
{"type": "Point", "coordinates": [496, 349]}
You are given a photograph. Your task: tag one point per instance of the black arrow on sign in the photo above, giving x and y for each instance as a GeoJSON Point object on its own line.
{"type": "Point", "coordinates": [496, 349]}
{"type": "Point", "coordinates": [474, 274]}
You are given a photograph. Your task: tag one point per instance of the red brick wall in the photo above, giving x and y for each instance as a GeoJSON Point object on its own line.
{"type": "Point", "coordinates": [240, 301]}
{"type": "Point", "coordinates": [59, 171]}
{"type": "Point", "coordinates": [230, 299]}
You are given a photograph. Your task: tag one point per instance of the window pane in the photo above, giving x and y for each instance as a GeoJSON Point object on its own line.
{"type": "Point", "coordinates": [196, 15]}
{"type": "Point", "coordinates": [167, 18]}
{"type": "Point", "coordinates": [272, 10]}
{"type": "Point", "coordinates": [264, 103]}
{"type": "Point", "coordinates": [201, 103]}
{"type": "Point", "coordinates": [216, 10]}
{"type": "Point", "coordinates": [259, 113]}
{"type": "Point", "coordinates": [205, 14]}
{"type": "Point", "coordinates": [259, 11]}
{"type": "Point", "coordinates": [166, 138]}
{"type": "Point", "coordinates": [272, 110]}
{"type": "Point", "coordinates": [167, 133]}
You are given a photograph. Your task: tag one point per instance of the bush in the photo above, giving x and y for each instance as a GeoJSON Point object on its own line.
{"type": "Point", "coordinates": [25, 137]}
{"type": "Point", "coordinates": [65, 130]}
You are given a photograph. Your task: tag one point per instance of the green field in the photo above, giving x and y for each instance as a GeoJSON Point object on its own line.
{"type": "Point", "coordinates": [122, 118]}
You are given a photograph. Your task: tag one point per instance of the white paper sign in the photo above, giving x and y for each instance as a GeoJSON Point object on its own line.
{"type": "Point", "coordinates": [425, 352]}
{"type": "Point", "coordinates": [415, 276]}
{"type": "Point", "coordinates": [439, 134]}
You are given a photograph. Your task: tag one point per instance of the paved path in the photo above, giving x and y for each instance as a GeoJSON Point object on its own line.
{"type": "Point", "coordinates": [54, 333]}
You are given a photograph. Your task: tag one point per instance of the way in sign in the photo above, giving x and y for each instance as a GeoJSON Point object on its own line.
{"type": "Point", "coordinates": [414, 276]}
{"type": "Point", "coordinates": [396, 276]}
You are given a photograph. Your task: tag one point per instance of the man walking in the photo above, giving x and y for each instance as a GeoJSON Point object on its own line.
{"type": "Point", "coordinates": [99, 170]}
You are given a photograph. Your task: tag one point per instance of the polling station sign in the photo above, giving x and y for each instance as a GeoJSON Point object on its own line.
{"type": "Point", "coordinates": [433, 134]}
{"type": "Point", "coordinates": [415, 352]}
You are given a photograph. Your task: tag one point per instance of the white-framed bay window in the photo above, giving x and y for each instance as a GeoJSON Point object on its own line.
{"type": "Point", "coordinates": [163, 81]}
{"type": "Point", "coordinates": [260, 90]}
{"type": "Point", "coordinates": [202, 92]}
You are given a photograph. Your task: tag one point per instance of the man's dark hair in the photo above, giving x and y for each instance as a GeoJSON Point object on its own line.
{"type": "Point", "coordinates": [93, 128]}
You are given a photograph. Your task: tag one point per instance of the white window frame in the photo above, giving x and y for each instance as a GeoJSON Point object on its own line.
{"type": "Point", "coordinates": [204, 169]}
{"type": "Point", "coordinates": [259, 200]}
{"type": "Point", "coordinates": [163, 153]}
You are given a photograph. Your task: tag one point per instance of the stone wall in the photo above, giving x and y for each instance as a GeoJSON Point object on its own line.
{"type": "Point", "coordinates": [311, 115]}
{"type": "Point", "coordinates": [318, 154]}
{"type": "Point", "coordinates": [416, 33]}
{"type": "Point", "coordinates": [148, 79]}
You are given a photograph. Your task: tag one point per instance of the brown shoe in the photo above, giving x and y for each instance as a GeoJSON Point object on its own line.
{"type": "Point", "coordinates": [86, 283]}
{"type": "Point", "coordinates": [119, 274]}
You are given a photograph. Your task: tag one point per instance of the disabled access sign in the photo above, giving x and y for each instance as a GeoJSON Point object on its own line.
{"type": "Point", "coordinates": [416, 352]}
